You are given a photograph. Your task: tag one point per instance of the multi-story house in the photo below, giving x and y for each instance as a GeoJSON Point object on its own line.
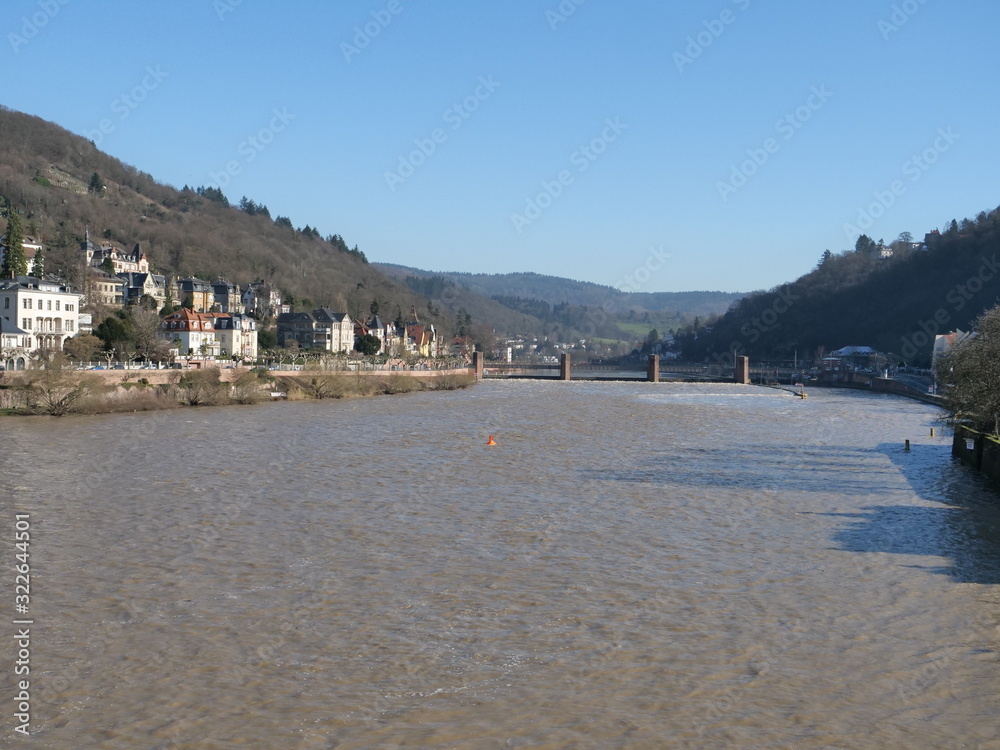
{"type": "Point", "coordinates": [262, 300]}
{"type": "Point", "coordinates": [237, 335]}
{"type": "Point", "coordinates": [121, 260]}
{"type": "Point", "coordinates": [138, 285]}
{"type": "Point", "coordinates": [385, 332]}
{"type": "Point", "coordinates": [45, 309]}
{"type": "Point", "coordinates": [334, 332]}
{"type": "Point", "coordinates": [31, 247]}
{"type": "Point", "coordinates": [105, 289]}
{"type": "Point", "coordinates": [15, 346]}
{"type": "Point", "coordinates": [227, 296]}
{"type": "Point", "coordinates": [191, 333]}
{"type": "Point", "coordinates": [196, 294]}
{"type": "Point", "coordinates": [297, 327]}
{"type": "Point", "coordinates": [421, 339]}
{"type": "Point", "coordinates": [321, 329]}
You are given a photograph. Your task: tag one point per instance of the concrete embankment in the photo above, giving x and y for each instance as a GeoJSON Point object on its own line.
{"type": "Point", "coordinates": [228, 375]}
{"type": "Point", "coordinates": [865, 382]}
{"type": "Point", "coordinates": [978, 450]}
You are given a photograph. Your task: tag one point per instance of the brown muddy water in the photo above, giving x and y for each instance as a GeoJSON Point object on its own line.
{"type": "Point", "coordinates": [633, 566]}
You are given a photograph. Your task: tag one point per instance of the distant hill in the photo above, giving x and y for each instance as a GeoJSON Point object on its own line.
{"type": "Point", "coordinates": [859, 298]}
{"type": "Point", "coordinates": [555, 290]}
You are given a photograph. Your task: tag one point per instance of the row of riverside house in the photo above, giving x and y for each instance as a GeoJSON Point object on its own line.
{"type": "Point", "coordinates": [218, 319]}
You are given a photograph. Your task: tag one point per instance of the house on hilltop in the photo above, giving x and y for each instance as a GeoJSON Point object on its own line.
{"type": "Point", "coordinates": [122, 261]}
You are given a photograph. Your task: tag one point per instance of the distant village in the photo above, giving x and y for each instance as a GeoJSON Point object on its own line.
{"type": "Point", "coordinates": [210, 319]}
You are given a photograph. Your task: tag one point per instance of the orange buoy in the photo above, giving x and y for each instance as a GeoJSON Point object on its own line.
{"type": "Point", "coordinates": [491, 441]}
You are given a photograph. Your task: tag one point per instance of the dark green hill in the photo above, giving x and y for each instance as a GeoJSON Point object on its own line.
{"type": "Point", "coordinates": [895, 305]}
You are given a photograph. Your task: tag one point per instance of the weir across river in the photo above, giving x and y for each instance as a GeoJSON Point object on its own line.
{"type": "Point", "coordinates": [652, 371]}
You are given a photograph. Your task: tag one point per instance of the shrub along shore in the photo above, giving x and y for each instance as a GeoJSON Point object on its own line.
{"type": "Point", "coordinates": [56, 392]}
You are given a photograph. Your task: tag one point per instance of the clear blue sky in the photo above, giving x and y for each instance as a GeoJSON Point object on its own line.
{"type": "Point", "coordinates": [694, 90]}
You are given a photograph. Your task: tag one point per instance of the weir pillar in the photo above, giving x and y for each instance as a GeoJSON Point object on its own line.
{"type": "Point", "coordinates": [565, 367]}
{"type": "Point", "coordinates": [653, 369]}
{"type": "Point", "coordinates": [478, 364]}
{"type": "Point", "coordinates": [743, 370]}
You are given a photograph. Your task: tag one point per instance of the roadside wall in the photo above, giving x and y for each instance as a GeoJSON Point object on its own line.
{"type": "Point", "coordinates": [876, 385]}
{"type": "Point", "coordinates": [159, 377]}
{"type": "Point", "coordinates": [978, 450]}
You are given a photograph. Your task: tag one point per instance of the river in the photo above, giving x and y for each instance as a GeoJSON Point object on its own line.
{"type": "Point", "coordinates": [634, 565]}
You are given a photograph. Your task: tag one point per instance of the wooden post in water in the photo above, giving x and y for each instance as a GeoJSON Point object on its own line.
{"type": "Point", "coordinates": [743, 370]}
{"type": "Point", "coordinates": [565, 368]}
{"type": "Point", "coordinates": [478, 364]}
{"type": "Point", "coordinates": [653, 369]}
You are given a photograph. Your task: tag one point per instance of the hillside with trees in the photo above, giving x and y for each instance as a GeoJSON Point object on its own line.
{"type": "Point", "coordinates": [59, 186]}
{"type": "Point", "coordinates": [892, 298]}
{"type": "Point", "coordinates": [556, 290]}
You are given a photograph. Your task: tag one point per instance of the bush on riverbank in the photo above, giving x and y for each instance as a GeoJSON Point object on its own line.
{"type": "Point", "coordinates": [970, 373]}
{"type": "Point", "coordinates": [353, 385]}
{"type": "Point", "coordinates": [58, 391]}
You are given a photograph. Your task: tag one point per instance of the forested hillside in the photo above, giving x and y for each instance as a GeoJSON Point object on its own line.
{"type": "Point", "coordinates": [894, 304]}
{"type": "Point", "coordinates": [62, 185]}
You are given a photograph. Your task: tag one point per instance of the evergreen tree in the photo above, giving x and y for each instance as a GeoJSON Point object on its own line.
{"type": "Point", "coordinates": [14, 262]}
{"type": "Point", "coordinates": [38, 265]}
{"type": "Point", "coordinates": [96, 184]}
{"type": "Point", "coordinates": [865, 245]}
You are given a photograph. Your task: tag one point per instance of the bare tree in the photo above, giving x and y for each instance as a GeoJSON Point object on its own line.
{"type": "Point", "coordinates": [970, 373]}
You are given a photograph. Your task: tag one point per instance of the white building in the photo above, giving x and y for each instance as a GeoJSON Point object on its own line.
{"type": "Point", "coordinates": [262, 299]}
{"type": "Point", "coordinates": [237, 336]}
{"type": "Point", "coordinates": [31, 247]}
{"type": "Point", "coordinates": [334, 331]}
{"type": "Point", "coordinates": [15, 346]}
{"type": "Point", "coordinates": [45, 310]}
{"type": "Point", "coordinates": [191, 333]}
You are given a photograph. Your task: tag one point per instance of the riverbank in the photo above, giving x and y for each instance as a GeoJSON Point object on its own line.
{"type": "Point", "coordinates": [60, 392]}
{"type": "Point", "coordinates": [874, 384]}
